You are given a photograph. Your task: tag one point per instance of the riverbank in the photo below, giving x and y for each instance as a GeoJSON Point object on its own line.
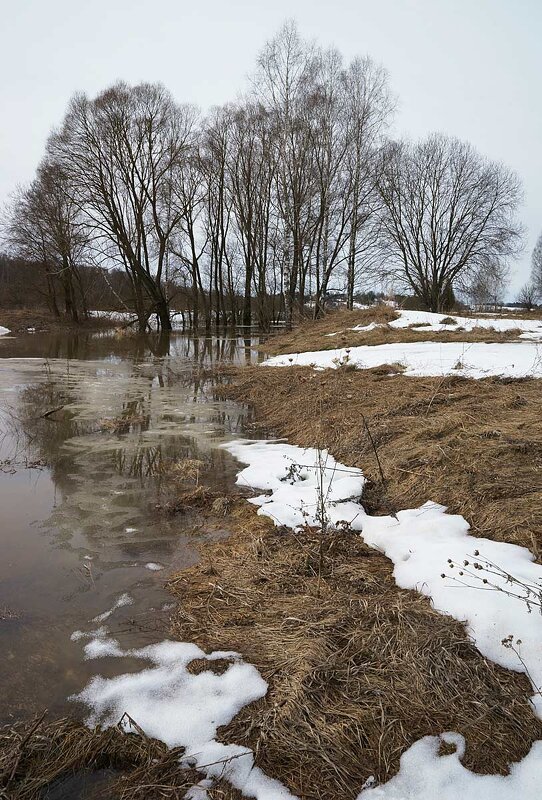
{"type": "Point", "coordinates": [39, 320]}
{"type": "Point", "coordinates": [358, 669]}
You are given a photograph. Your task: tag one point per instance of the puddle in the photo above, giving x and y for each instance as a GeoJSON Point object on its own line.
{"type": "Point", "coordinates": [87, 424]}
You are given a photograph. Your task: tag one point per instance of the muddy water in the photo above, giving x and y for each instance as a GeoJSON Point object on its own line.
{"type": "Point", "coordinates": [80, 490]}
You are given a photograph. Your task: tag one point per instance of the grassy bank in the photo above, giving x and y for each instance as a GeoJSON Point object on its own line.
{"type": "Point", "coordinates": [19, 320]}
{"type": "Point", "coordinates": [358, 669]}
{"type": "Point", "coordinates": [336, 330]}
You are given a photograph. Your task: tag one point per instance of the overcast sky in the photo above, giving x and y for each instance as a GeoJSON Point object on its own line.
{"type": "Point", "coordinates": [471, 68]}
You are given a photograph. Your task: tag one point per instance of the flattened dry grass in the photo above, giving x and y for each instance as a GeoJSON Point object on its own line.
{"type": "Point", "coordinates": [310, 335]}
{"type": "Point", "coordinates": [313, 334]}
{"type": "Point", "coordinates": [474, 446]}
{"type": "Point", "coordinates": [40, 758]}
{"type": "Point", "coordinates": [358, 669]}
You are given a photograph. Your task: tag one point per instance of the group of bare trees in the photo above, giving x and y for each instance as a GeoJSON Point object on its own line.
{"type": "Point", "coordinates": [530, 295]}
{"type": "Point", "coordinates": [264, 206]}
{"type": "Point", "coordinates": [448, 220]}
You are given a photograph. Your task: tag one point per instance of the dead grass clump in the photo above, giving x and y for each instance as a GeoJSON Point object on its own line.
{"type": "Point", "coordinates": [37, 758]}
{"type": "Point", "coordinates": [448, 321]}
{"type": "Point", "coordinates": [188, 469]}
{"type": "Point", "coordinates": [183, 486]}
{"type": "Point", "coordinates": [188, 499]}
{"type": "Point", "coordinates": [7, 613]}
{"type": "Point", "coordinates": [313, 334]}
{"type": "Point", "coordinates": [431, 435]}
{"type": "Point", "coordinates": [357, 669]}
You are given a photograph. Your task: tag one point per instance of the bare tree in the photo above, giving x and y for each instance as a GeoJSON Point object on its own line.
{"type": "Point", "coordinates": [122, 153]}
{"type": "Point", "coordinates": [529, 295]}
{"type": "Point", "coordinates": [486, 286]}
{"type": "Point", "coordinates": [448, 213]}
{"type": "Point", "coordinates": [536, 266]}
{"type": "Point", "coordinates": [285, 77]}
{"type": "Point", "coordinates": [45, 226]}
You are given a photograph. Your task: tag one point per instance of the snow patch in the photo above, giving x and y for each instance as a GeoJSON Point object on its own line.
{"type": "Point", "coordinates": [123, 600]}
{"type": "Point", "coordinates": [471, 360]}
{"type": "Point", "coordinates": [423, 321]}
{"type": "Point", "coordinates": [184, 709]}
{"type": "Point", "coordinates": [424, 775]}
{"type": "Point", "coordinates": [295, 479]}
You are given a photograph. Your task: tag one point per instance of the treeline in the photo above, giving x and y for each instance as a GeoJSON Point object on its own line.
{"type": "Point", "coordinates": [265, 206]}
{"type": "Point", "coordinates": [22, 285]}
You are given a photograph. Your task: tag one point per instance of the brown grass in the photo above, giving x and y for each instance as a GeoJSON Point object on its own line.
{"type": "Point", "coordinates": [315, 335]}
{"type": "Point", "coordinates": [40, 756]}
{"type": "Point", "coordinates": [358, 669]}
{"type": "Point", "coordinates": [185, 486]}
{"type": "Point", "coordinates": [18, 320]}
{"type": "Point", "coordinates": [475, 446]}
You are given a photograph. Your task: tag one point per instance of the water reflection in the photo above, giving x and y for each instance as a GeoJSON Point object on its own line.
{"type": "Point", "coordinates": [99, 417]}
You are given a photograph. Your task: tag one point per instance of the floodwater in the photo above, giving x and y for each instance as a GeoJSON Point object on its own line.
{"type": "Point", "coordinates": [80, 493]}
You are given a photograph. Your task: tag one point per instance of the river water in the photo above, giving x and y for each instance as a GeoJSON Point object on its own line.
{"type": "Point", "coordinates": [80, 494]}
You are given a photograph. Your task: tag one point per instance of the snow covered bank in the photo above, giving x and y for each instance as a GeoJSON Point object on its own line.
{"type": "Point", "coordinates": [182, 708]}
{"type": "Point", "coordinates": [427, 322]}
{"type": "Point", "coordinates": [296, 479]}
{"type": "Point", "coordinates": [424, 775]}
{"type": "Point", "coordinates": [424, 321]}
{"type": "Point", "coordinates": [428, 549]}
{"type": "Point", "coordinates": [474, 360]}
{"type": "Point", "coordinates": [129, 318]}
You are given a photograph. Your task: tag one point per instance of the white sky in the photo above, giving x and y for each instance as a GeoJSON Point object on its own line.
{"type": "Point", "coordinates": [471, 68]}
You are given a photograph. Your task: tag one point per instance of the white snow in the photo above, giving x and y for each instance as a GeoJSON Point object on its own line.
{"type": "Point", "coordinates": [292, 476]}
{"type": "Point", "coordinates": [183, 709]}
{"type": "Point", "coordinates": [153, 566]}
{"type": "Point", "coordinates": [303, 486]}
{"type": "Point", "coordinates": [424, 775]}
{"type": "Point", "coordinates": [429, 321]}
{"type": "Point", "coordinates": [3, 330]}
{"type": "Point", "coordinates": [123, 600]}
{"type": "Point", "coordinates": [472, 360]}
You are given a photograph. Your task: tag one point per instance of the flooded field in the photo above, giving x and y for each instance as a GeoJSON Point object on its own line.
{"type": "Point", "coordinates": [87, 426]}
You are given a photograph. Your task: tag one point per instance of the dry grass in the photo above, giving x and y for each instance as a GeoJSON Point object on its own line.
{"type": "Point", "coordinates": [122, 424]}
{"type": "Point", "coordinates": [358, 670]}
{"type": "Point", "coordinates": [18, 320]}
{"type": "Point", "coordinates": [40, 756]}
{"type": "Point", "coordinates": [475, 446]}
{"type": "Point", "coordinates": [186, 485]}
{"type": "Point", "coordinates": [315, 335]}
